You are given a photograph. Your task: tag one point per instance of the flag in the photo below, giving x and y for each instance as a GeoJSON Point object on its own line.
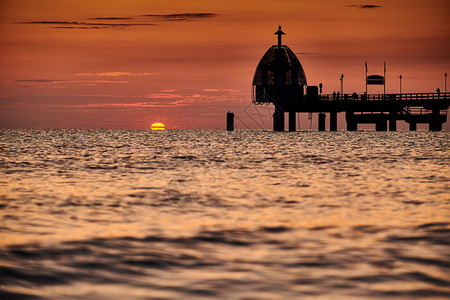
{"type": "Point", "coordinates": [375, 80]}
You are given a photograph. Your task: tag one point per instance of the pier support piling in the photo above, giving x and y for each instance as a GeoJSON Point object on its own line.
{"type": "Point", "coordinates": [278, 119]}
{"type": "Point", "coordinates": [322, 122]}
{"type": "Point", "coordinates": [381, 125]}
{"type": "Point", "coordinates": [435, 122]}
{"type": "Point", "coordinates": [333, 121]}
{"type": "Point", "coordinates": [392, 121]}
{"type": "Point", "coordinates": [435, 126]}
{"type": "Point", "coordinates": [292, 115]}
{"type": "Point", "coordinates": [412, 126]}
{"type": "Point", "coordinates": [352, 125]}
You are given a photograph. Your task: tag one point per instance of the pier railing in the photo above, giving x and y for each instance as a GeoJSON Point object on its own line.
{"type": "Point", "coordinates": [420, 111]}
{"type": "Point", "coordinates": [386, 97]}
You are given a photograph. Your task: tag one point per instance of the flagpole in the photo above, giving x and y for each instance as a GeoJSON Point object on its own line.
{"type": "Point", "coordinates": [445, 87]}
{"type": "Point", "coordinates": [366, 77]}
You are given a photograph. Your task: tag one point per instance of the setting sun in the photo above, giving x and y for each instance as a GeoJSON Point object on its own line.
{"type": "Point", "coordinates": [158, 126]}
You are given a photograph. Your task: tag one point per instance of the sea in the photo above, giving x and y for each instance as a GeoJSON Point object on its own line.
{"type": "Point", "coordinates": [211, 214]}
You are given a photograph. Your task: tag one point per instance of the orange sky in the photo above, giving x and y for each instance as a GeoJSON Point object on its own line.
{"type": "Point", "coordinates": [127, 64]}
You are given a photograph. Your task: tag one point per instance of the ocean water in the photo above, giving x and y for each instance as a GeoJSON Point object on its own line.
{"type": "Point", "coordinates": [210, 214]}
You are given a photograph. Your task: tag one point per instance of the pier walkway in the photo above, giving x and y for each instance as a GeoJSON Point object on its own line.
{"type": "Point", "coordinates": [378, 109]}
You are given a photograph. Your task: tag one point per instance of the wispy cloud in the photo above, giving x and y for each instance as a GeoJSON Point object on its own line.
{"type": "Point", "coordinates": [110, 102]}
{"type": "Point", "coordinates": [196, 78]}
{"type": "Point", "coordinates": [164, 96]}
{"type": "Point", "coordinates": [120, 105]}
{"type": "Point", "coordinates": [206, 96]}
{"type": "Point", "coordinates": [120, 22]}
{"type": "Point", "coordinates": [182, 17]}
{"type": "Point", "coordinates": [110, 18]}
{"type": "Point", "coordinates": [39, 80]}
{"type": "Point", "coordinates": [220, 90]}
{"type": "Point", "coordinates": [117, 74]}
{"type": "Point", "coordinates": [86, 25]}
{"type": "Point", "coordinates": [52, 81]}
{"type": "Point", "coordinates": [74, 27]}
{"type": "Point", "coordinates": [366, 6]}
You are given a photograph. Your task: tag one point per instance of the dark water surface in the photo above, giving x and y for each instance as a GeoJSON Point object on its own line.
{"type": "Point", "coordinates": [205, 214]}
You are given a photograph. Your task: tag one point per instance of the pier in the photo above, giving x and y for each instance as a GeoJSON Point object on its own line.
{"type": "Point", "coordinates": [383, 110]}
{"type": "Point", "coordinates": [280, 80]}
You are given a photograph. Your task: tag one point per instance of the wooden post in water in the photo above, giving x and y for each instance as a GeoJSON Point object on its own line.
{"type": "Point", "coordinates": [230, 121]}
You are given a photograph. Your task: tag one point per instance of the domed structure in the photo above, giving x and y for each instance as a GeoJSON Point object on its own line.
{"type": "Point", "coordinates": [279, 77]}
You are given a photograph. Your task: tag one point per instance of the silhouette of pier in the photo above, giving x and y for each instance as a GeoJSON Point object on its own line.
{"type": "Point", "coordinates": [383, 110]}
{"type": "Point", "coordinates": [280, 79]}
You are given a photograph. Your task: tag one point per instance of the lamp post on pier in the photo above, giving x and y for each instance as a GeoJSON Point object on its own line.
{"type": "Point", "coordinates": [342, 84]}
{"type": "Point", "coordinates": [445, 86]}
{"type": "Point", "coordinates": [400, 77]}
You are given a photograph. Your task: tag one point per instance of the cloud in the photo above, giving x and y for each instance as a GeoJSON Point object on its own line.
{"type": "Point", "coordinates": [97, 81]}
{"type": "Point", "coordinates": [200, 98]}
{"type": "Point", "coordinates": [196, 78]}
{"type": "Point", "coordinates": [117, 74]}
{"type": "Point", "coordinates": [39, 80]}
{"type": "Point", "coordinates": [220, 90]}
{"type": "Point", "coordinates": [182, 17]}
{"type": "Point", "coordinates": [110, 18]}
{"type": "Point", "coordinates": [120, 105]}
{"type": "Point", "coordinates": [369, 6]}
{"type": "Point", "coordinates": [122, 22]}
{"type": "Point", "coordinates": [83, 82]}
{"type": "Point", "coordinates": [73, 27]}
{"type": "Point", "coordinates": [86, 25]}
{"type": "Point", "coordinates": [164, 96]}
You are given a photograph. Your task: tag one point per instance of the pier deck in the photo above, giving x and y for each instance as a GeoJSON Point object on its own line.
{"type": "Point", "coordinates": [379, 109]}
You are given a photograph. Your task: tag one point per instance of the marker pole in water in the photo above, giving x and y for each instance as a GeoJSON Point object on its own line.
{"type": "Point", "coordinates": [230, 121]}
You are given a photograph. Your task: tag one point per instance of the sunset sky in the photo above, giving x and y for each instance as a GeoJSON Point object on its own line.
{"type": "Point", "coordinates": [128, 64]}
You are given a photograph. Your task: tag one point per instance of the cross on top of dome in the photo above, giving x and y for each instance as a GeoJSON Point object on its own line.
{"type": "Point", "coordinates": [279, 33]}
